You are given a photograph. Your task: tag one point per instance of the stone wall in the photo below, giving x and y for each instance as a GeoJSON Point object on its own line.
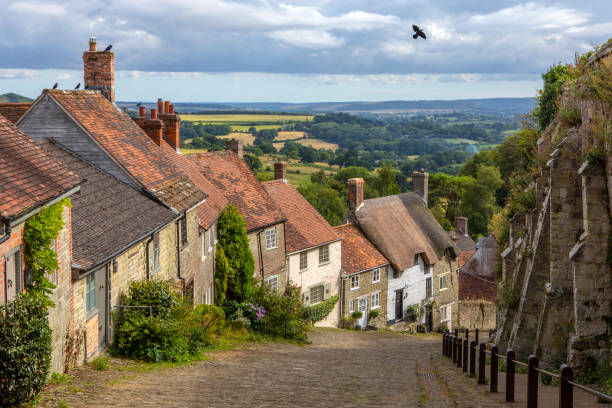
{"type": "Point", "coordinates": [274, 260]}
{"type": "Point", "coordinates": [449, 296]}
{"type": "Point", "coordinates": [367, 288]}
{"type": "Point", "coordinates": [476, 314]}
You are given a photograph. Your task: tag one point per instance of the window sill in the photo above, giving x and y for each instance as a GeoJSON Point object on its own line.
{"type": "Point", "coordinates": [271, 248]}
{"type": "Point", "coordinates": [442, 290]}
{"type": "Point", "coordinates": [355, 288]}
{"type": "Point", "coordinates": [303, 270]}
{"type": "Point", "coordinates": [375, 307]}
{"type": "Point", "coordinates": [376, 281]}
{"type": "Point", "coordinates": [324, 263]}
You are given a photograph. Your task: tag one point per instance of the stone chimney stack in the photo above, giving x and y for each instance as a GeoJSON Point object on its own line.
{"type": "Point", "coordinates": [153, 127]}
{"type": "Point", "coordinates": [280, 171]}
{"type": "Point", "coordinates": [355, 193]}
{"type": "Point", "coordinates": [462, 225]}
{"type": "Point", "coordinates": [420, 184]}
{"type": "Point", "coordinates": [99, 70]}
{"type": "Point", "coordinates": [235, 146]}
{"type": "Point", "coordinates": [172, 123]}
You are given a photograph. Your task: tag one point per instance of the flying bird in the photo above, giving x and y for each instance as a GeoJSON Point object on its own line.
{"type": "Point", "coordinates": [418, 33]}
{"type": "Point", "coordinates": [138, 104]}
{"type": "Point", "coordinates": [55, 86]}
{"type": "Point", "coordinates": [107, 49]}
{"type": "Point", "coordinates": [78, 86]}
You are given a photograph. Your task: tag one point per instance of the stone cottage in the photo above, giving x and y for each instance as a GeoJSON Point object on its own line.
{"type": "Point", "coordinates": [312, 247]}
{"type": "Point", "coordinates": [364, 277]}
{"type": "Point", "coordinates": [265, 222]}
{"type": "Point", "coordinates": [31, 180]}
{"type": "Point", "coordinates": [423, 274]}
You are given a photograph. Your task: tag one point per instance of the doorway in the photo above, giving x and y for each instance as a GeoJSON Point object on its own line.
{"type": "Point", "coordinates": [12, 275]}
{"type": "Point", "coordinates": [428, 318]}
{"type": "Point", "coordinates": [362, 307]}
{"type": "Point", "coordinates": [399, 304]}
{"type": "Point", "coordinates": [100, 302]}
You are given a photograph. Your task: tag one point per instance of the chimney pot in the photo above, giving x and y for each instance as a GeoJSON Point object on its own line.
{"type": "Point", "coordinates": [153, 113]}
{"type": "Point", "coordinates": [462, 225]}
{"type": "Point", "coordinates": [355, 193]}
{"type": "Point", "coordinates": [171, 109]}
{"type": "Point", "coordinates": [167, 107]}
{"type": "Point", "coordinates": [93, 46]}
{"type": "Point", "coordinates": [235, 146]}
{"type": "Point", "coordinates": [142, 111]}
{"type": "Point", "coordinates": [280, 171]}
{"type": "Point", "coordinates": [160, 106]}
{"type": "Point", "coordinates": [420, 184]}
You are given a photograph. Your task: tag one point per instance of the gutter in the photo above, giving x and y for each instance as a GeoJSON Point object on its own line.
{"type": "Point", "coordinates": [34, 210]}
{"type": "Point", "coordinates": [313, 247]}
{"type": "Point", "coordinates": [178, 249]}
{"type": "Point", "coordinates": [261, 268]}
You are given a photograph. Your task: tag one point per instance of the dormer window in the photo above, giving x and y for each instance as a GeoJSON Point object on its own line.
{"type": "Point", "coordinates": [270, 238]}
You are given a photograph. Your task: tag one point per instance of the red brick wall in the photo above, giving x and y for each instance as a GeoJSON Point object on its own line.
{"type": "Point", "coordinates": [14, 241]}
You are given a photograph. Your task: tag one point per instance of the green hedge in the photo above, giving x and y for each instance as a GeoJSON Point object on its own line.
{"type": "Point", "coordinates": [320, 311]}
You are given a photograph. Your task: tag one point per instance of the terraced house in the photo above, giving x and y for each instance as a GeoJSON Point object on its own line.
{"type": "Point", "coordinates": [313, 248]}
{"type": "Point", "coordinates": [265, 222]}
{"type": "Point", "coordinates": [31, 180]}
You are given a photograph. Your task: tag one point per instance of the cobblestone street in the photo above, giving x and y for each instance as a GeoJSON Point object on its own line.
{"type": "Point", "coordinates": [339, 369]}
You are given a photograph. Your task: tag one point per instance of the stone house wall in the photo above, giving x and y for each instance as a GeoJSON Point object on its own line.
{"type": "Point", "coordinates": [476, 314]}
{"type": "Point", "coordinates": [367, 288]}
{"type": "Point", "coordinates": [446, 266]}
{"type": "Point", "coordinates": [204, 287]}
{"type": "Point", "coordinates": [316, 274]}
{"type": "Point", "coordinates": [274, 260]}
{"type": "Point", "coordinates": [191, 257]}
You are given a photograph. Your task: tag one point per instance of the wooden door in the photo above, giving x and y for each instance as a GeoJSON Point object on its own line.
{"type": "Point", "coordinates": [399, 304]}
{"type": "Point", "coordinates": [12, 275]}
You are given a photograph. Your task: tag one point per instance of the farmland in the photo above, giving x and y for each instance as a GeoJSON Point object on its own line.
{"type": "Point", "coordinates": [242, 122]}
{"type": "Point", "coordinates": [316, 143]}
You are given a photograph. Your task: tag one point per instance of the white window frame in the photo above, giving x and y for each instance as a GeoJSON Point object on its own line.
{"type": "Point", "coordinates": [445, 276]}
{"type": "Point", "coordinates": [312, 298]}
{"type": "Point", "coordinates": [303, 255]}
{"type": "Point", "coordinates": [351, 306]}
{"type": "Point", "coordinates": [270, 234]}
{"type": "Point", "coordinates": [446, 316]}
{"type": "Point", "coordinates": [375, 274]}
{"type": "Point", "coordinates": [377, 294]}
{"type": "Point", "coordinates": [430, 294]}
{"type": "Point", "coordinates": [324, 249]}
{"type": "Point", "coordinates": [210, 239]}
{"type": "Point", "coordinates": [203, 243]}
{"type": "Point", "coordinates": [272, 282]}
{"type": "Point", "coordinates": [354, 282]}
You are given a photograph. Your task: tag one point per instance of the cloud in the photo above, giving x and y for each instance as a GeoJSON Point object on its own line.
{"type": "Point", "coordinates": [315, 39]}
{"type": "Point", "coordinates": [64, 77]}
{"type": "Point", "coordinates": [18, 73]}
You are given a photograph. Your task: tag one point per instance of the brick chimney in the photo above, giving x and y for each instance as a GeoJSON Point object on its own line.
{"type": "Point", "coordinates": [420, 184]}
{"type": "Point", "coordinates": [235, 146]}
{"type": "Point", "coordinates": [355, 193]}
{"type": "Point", "coordinates": [153, 127]}
{"type": "Point", "coordinates": [99, 70]}
{"type": "Point", "coordinates": [462, 225]}
{"type": "Point", "coordinates": [172, 123]}
{"type": "Point", "coordinates": [280, 171]}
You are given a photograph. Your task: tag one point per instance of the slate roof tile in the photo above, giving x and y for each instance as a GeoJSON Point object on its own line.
{"type": "Point", "coordinates": [305, 227]}
{"type": "Point", "coordinates": [358, 253]}
{"type": "Point", "coordinates": [28, 175]}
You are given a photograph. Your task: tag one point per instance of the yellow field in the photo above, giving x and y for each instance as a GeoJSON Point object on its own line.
{"type": "Point", "coordinates": [245, 128]}
{"type": "Point", "coordinates": [188, 150]}
{"type": "Point", "coordinates": [236, 118]}
{"type": "Point", "coordinates": [247, 139]}
{"type": "Point", "coordinates": [305, 170]}
{"type": "Point", "coordinates": [318, 144]}
{"type": "Point", "coordinates": [289, 135]}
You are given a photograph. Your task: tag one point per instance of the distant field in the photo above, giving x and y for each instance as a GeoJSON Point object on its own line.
{"type": "Point", "coordinates": [293, 166]}
{"type": "Point", "coordinates": [247, 139]}
{"type": "Point", "coordinates": [288, 136]}
{"type": "Point", "coordinates": [237, 118]}
{"type": "Point", "coordinates": [318, 144]}
{"type": "Point", "coordinates": [188, 150]}
{"type": "Point", "coordinates": [245, 128]}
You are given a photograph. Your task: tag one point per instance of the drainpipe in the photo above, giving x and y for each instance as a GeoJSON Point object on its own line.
{"type": "Point", "coordinates": [178, 250]}
{"type": "Point", "coordinates": [148, 254]}
{"type": "Point", "coordinates": [261, 265]}
{"type": "Point", "coordinates": [7, 231]}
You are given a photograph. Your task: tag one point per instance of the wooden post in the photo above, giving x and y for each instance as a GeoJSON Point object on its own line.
{"type": "Point", "coordinates": [476, 334]}
{"type": "Point", "coordinates": [454, 349]}
{"type": "Point", "coordinates": [510, 356]}
{"type": "Point", "coordinates": [532, 382]}
{"type": "Point", "coordinates": [456, 332]}
{"type": "Point", "coordinates": [459, 352]}
{"type": "Point", "coordinates": [566, 390]}
{"type": "Point", "coordinates": [473, 359]}
{"type": "Point", "coordinates": [482, 357]}
{"type": "Point", "coordinates": [467, 335]}
{"type": "Point", "coordinates": [444, 344]}
{"type": "Point", "coordinates": [493, 368]}
{"type": "Point", "coordinates": [465, 355]}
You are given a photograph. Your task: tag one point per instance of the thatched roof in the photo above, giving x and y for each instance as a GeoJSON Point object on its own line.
{"type": "Point", "coordinates": [401, 226]}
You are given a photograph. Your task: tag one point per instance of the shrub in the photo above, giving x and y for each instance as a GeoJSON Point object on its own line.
{"type": "Point", "coordinates": [213, 317]}
{"type": "Point", "coordinates": [357, 315]}
{"type": "Point", "coordinates": [283, 312]}
{"type": "Point", "coordinates": [373, 314]}
{"type": "Point", "coordinates": [321, 310]}
{"type": "Point", "coordinates": [100, 363]}
{"type": "Point", "coordinates": [157, 294]}
{"type": "Point", "coordinates": [510, 296]}
{"type": "Point", "coordinates": [412, 313]}
{"type": "Point", "coordinates": [25, 348]}
{"type": "Point", "coordinates": [348, 322]}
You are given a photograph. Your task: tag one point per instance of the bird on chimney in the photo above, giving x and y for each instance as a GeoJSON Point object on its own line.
{"type": "Point", "coordinates": [107, 49]}
{"type": "Point", "coordinates": [55, 86]}
{"type": "Point", "coordinates": [418, 32]}
{"type": "Point", "coordinates": [78, 86]}
{"type": "Point", "coordinates": [138, 104]}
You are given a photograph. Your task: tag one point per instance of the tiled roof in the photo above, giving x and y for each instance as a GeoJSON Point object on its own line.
{"type": "Point", "coordinates": [149, 164]}
{"type": "Point", "coordinates": [28, 175]}
{"type": "Point", "coordinates": [473, 287]}
{"type": "Point", "coordinates": [463, 242]}
{"type": "Point", "coordinates": [215, 202]}
{"type": "Point", "coordinates": [14, 110]}
{"type": "Point", "coordinates": [463, 257]}
{"type": "Point", "coordinates": [358, 253]}
{"type": "Point", "coordinates": [484, 260]}
{"type": "Point", "coordinates": [305, 227]}
{"type": "Point", "coordinates": [107, 215]}
{"type": "Point", "coordinates": [401, 226]}
{"type": "Point", "coordinates": [230, 174]}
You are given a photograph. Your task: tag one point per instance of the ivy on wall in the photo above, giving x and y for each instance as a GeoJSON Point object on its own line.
{"type": "Point", "coordinates": [320, 311]}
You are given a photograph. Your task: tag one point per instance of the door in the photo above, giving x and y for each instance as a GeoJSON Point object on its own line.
{"type": "Point", "coordinates": [100, 301]}
{"type": "Point", "coordinates": [363, 308]}
{"type": "Point", "coordinates": [13, 275]}
{"type": "Point", "coordinates": [399, 304]}
{"type": "Point", "coordinates": [428, 318]}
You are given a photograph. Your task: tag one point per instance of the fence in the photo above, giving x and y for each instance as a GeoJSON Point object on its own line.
{"type": "Point", "coordinates": [456, 349]}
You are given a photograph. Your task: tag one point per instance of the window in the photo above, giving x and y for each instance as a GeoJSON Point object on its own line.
{"type": "Point", "coordinates": [351, 307]}
{"type": "Point", "coordinates": [323, 254]}
{"type": "Point", "coordinates": [12, 267]}
{"type": "Point", "coordinates": [214, 233]}
{"type": "Point", "coordinates": [355, 282]}
{"type": "Point", "coordinates": [154, 255]}
{"type": "Point", "coordinates": [210, 239]}
{"type": "Point", "coordinates": [207, 296]}
{"type": "Point", "coordinates": [316, 294]}
{"type": "Point", "coordinates": [416, 260]}
{"type": "Point", "coordinates": [376, 275]}
{"type": "Point", "coordinates": [271, 238]}
{"type": "Point", "coordinates": [91, 292]}
{"type": "Point", "coordinates": [375, 300]}
{"type": "Point", "coordinates": [203, 244]}
{"type": "Point", "coordinates": [443, 283]}
{"type": "Point", "coordinates": [303, 260]}
{"type": "Point", "coordinates": [184, 231]}
{"type": "Point", "coordinates": [272, 282]}
{"type": "Point", "coordinates": [428, 287]}
{"type": "Point", "coordinates": [445, 313]}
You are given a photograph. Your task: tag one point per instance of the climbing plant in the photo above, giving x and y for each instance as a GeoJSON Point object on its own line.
{"type": "Point", "coordinates": [320, 311]}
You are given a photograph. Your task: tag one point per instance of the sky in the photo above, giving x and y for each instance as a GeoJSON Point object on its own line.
{"type": "Point", "coordinates": [299, 50]}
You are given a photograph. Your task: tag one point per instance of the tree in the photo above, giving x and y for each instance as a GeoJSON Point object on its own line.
{"type": "Point", "coordinates": [478, 201]}
{"type": "Point", "coordinates": [234, 241]}
{"type": "Point", "coordinates": [222, 272]}
{"type": "Point", "coordinates": [326, 201]}
{"type": "Point", "coordinates": [253, 162]}
{"type": "Point", "coordinates": [385, 181]}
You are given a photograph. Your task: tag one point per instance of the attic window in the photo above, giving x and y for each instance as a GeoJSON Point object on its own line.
{"type": "Point", "coordinates": [271, 238]}
{"type": "Point", "coordinates": [416, 260]}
